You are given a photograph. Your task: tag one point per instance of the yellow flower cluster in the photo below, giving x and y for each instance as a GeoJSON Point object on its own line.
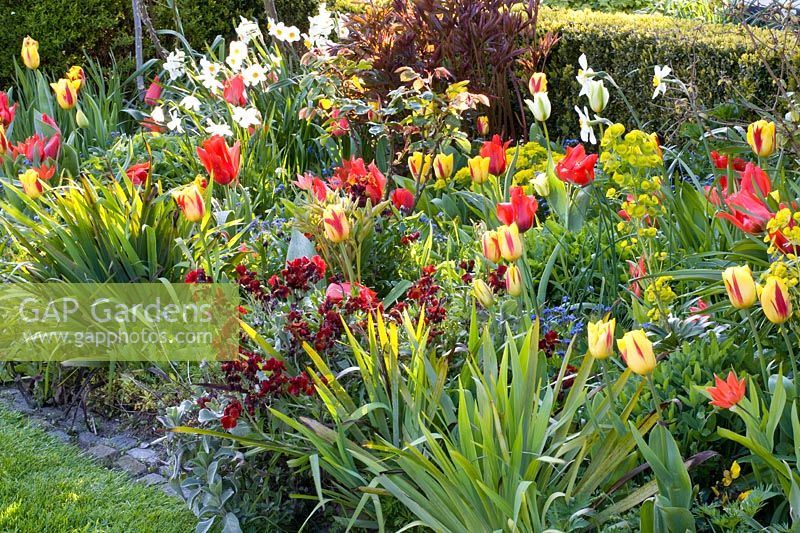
{"type": "Point", "coordinates": [660, 295]}
{"type": "Point", "coordinates": [786, 224]}
{"type": "Point", "coordinates": [783, 269]}
{"type": "Point", "coordinates": [628, 153]}
{"type": "Point", "coordinates": [532, 159]}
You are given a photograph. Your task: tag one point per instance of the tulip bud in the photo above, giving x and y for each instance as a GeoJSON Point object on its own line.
{"type": "Point", "coordinates": [637, 351]}
{"type": "Point", "coordinates": [598, 95]}
{"type": "Point", "coordinates": [482, 125]}
{"type": "Point", "coordinates": [510, 242]}
{"type": "Point", "coordinates": [775, 301]}
{"type": "Point", "coordinates": [482, 293]}
{"type": "Point", "coordinates": [740, 286]}
{"type": "Point", "coordinates": [601, 338]}
{"type": "Point", "coordinates": [479, 168]}
{"type": "Point", "coordinates": [514, 280]}
{"type": "Point", "coordinates": [491, 246]}
{"type": "Point", "coordinates": [30, 53]}
{"type": "Point", "coordinates": [419, 169]}
{"type": "Point", "coordinates": [541, 184]}
{"type": "Point", "coordinates": [443, 166]}
{"type": "Point", "coordinates": [31, 185]}
{"type": "Point", "coordinates": [66, 96]}
{"type": "Point", "coordinates": [541, 107]}
{"type": "Point", "coordinates": [537, 83]}
{"type": "Point", "coordinates": [336, 224]}
{"type": "Point", "coordinates": [190, 200]}
{"type": "Point", "coordinates": [761, 137]}
{"type": "Point", "coordinates": [81, 120]}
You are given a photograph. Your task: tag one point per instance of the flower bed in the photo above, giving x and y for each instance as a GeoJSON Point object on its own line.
{"type": "Point", "coordinates": [437, 326]}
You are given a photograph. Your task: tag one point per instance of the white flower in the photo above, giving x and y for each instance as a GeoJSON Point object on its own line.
{"type": "Point", "coordinates": [247, 30]}
{"type": "Point", "coordinates": [210, 69]}
{"type": "Point", "coordinates": [246, 117]}
{"type": "Point", "coordinates": [235, 62]}
{"type": "Point", "coordinates": [218, 129]}
{"type": "Point", "coordinates": [585, 74]}
{"type": "Point", "coordinates": [237, 49]}
{"type": "Point", "coordinates": [158, 115]}
{"type": "Point", "coordinates": [320, 27]}
{"type": "Point", "coordinates": [175, 123]}
{"type": "Point", "coordinates": [254, 74]}
{"type": "Point", "coordinates": [174, 64]}
{"type": "Point", "coordinates": [659, 74]}
{"type": "Point", "coordinates": [539, 106]}
{"type": "Point", "coordinates": [541, 184]}
{"type": "Point", "coordinates": [598, 95]}
{"type": "Point", "coordinates": [211, 83]}
{"type": "Point", "coordinates": [292, 34]}
{"type": "Point", "coordinates": [277, 30]}
{"type": "Point", "coordinates": [587, 132]}
{"type": "Point", "coordinates": [190, 102]}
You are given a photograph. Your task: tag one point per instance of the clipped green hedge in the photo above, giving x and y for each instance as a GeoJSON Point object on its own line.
{"type": "Point", "coordinates": [64, 28]}
{"type": "Point", "coordinates": [719, 61]}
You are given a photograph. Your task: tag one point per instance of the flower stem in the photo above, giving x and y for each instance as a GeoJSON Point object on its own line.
{"type": "Point", "coordinates": [206, 253]}
{"type": "Point", "coordinates": [654, 392]}
{"type": "Point", "coordinates": [761, 356]}
{"type": "Point", "coordinates": [791, 360]}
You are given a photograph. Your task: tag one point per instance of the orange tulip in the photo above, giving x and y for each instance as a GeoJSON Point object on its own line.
{"type": "Point", "coordinates": [726, 394]}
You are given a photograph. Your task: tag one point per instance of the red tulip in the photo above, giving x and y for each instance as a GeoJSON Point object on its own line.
{"type": "Point", "coordinates": [749, 213]}
{"type": "Point", "coordinates": [521, 209]}
{"type": "Point", "coordinates": [403, 199]}
{"type": "Point", "coordinates": [6, 113]}
{"type": "Point", "coordinates": [233, 91]}
{"type": "Point", "coordinates": [138, 173]}
{"type": "Point", "coordinates": [45, 171]}
{"type": "Point", "coordinates": [221, 162]}
{"type": "Point", "coordinates": [340, 125]}
{"type": "Point", "coordinates": [357, 178]}
{"type": "Point", "coordinates": [721, 162]}
{"type": "Point", "coordinates": [576, 167]}
{"type": "Point", "coordinates": [153, 94]}
{"type": "Point", "coordinates": [726, 394]}
{"type": "Point", "coordinates": [336, 292]}
{"type": "Point", "coordinates": [495, 150]}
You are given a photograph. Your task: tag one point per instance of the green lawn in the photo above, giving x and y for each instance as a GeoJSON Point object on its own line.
{"type": "Point", "coordinates": [46, 485]}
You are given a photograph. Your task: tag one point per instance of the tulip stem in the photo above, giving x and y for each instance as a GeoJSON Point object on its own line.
{"type": "Point", "coordinates": [761, 357]}
{"type": "Point", "coordinates": [609, 387]}
{"type": "Point", "coordinates": [654, 392]}
{"type": "Point", "coordinates": [206, 253]}
{"type": "Point", "coordinates": [791, 360]}
{"type": "Point", "coordinates": [347, 265]}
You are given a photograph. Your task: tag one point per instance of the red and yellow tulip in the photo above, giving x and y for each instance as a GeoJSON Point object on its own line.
{"type": "Point", "coordinates": [336, 224]}
{"type": "Point", "coordinates": [66, 95]}
{"type": "Point", "coordinates": [762, 138]}
{"type": "Point", "coordinates": [740, 286]}
{"type": "Point", "coordinates": [601, 338]}
{"type": "Point", "coordinates": [637, 352]}
{"type": "Point", "coordinates": [31, 185]}
{"type": "Point", "coordinates": [776, 301]}
{"type": "Point", "coordinates": [510, 242]}
{"type": "Point", "coordinates": [30, 53]}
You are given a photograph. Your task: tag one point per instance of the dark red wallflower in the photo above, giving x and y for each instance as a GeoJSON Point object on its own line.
{"type": "Point", "coordinates": [231, 414]}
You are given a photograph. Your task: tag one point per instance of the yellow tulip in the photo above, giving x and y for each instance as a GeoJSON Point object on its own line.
{"type": "Point", "coordinates": [76, 76]}
{"type": "Point", "coordinates": [510, 242]}
{"type": "Point", "coordinates": [443, 166]}
{"type": "Point", "coordinates": [761, 137]}
{"type": "Point", "coordinates": [30, 53]}
{"type": "Point", "coordinates": [479, 168]}
{"type": "Point", "coordinates": [190, 200]}
{"type": "Point", "coordinates": [514, 280]}
{"type": "Point", "coordinates": [66, 95]}
{"type": "Point", "coordinates": [31, 185]}
{"type": "Point", "coordinates": [637, 351]}
{"type": "Point", "coordinates": [601, 338]}
{"type": "Point", "coordinates": [537, 83]}
{"type": "Point", "coordinates": [336, 224]}
{"type": "Point", "coordinates": [740, 286]}
{"type": "Point", "coordinates": [419, 170]}
{"type": "Point", "coordinates": [482, 125]}
{"type": "Point", "coordinates": [490, 245]}
{"type": "Point", "coordinates": [482, 293]}
{"type": "Point", "coordinates": [776, 301]}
